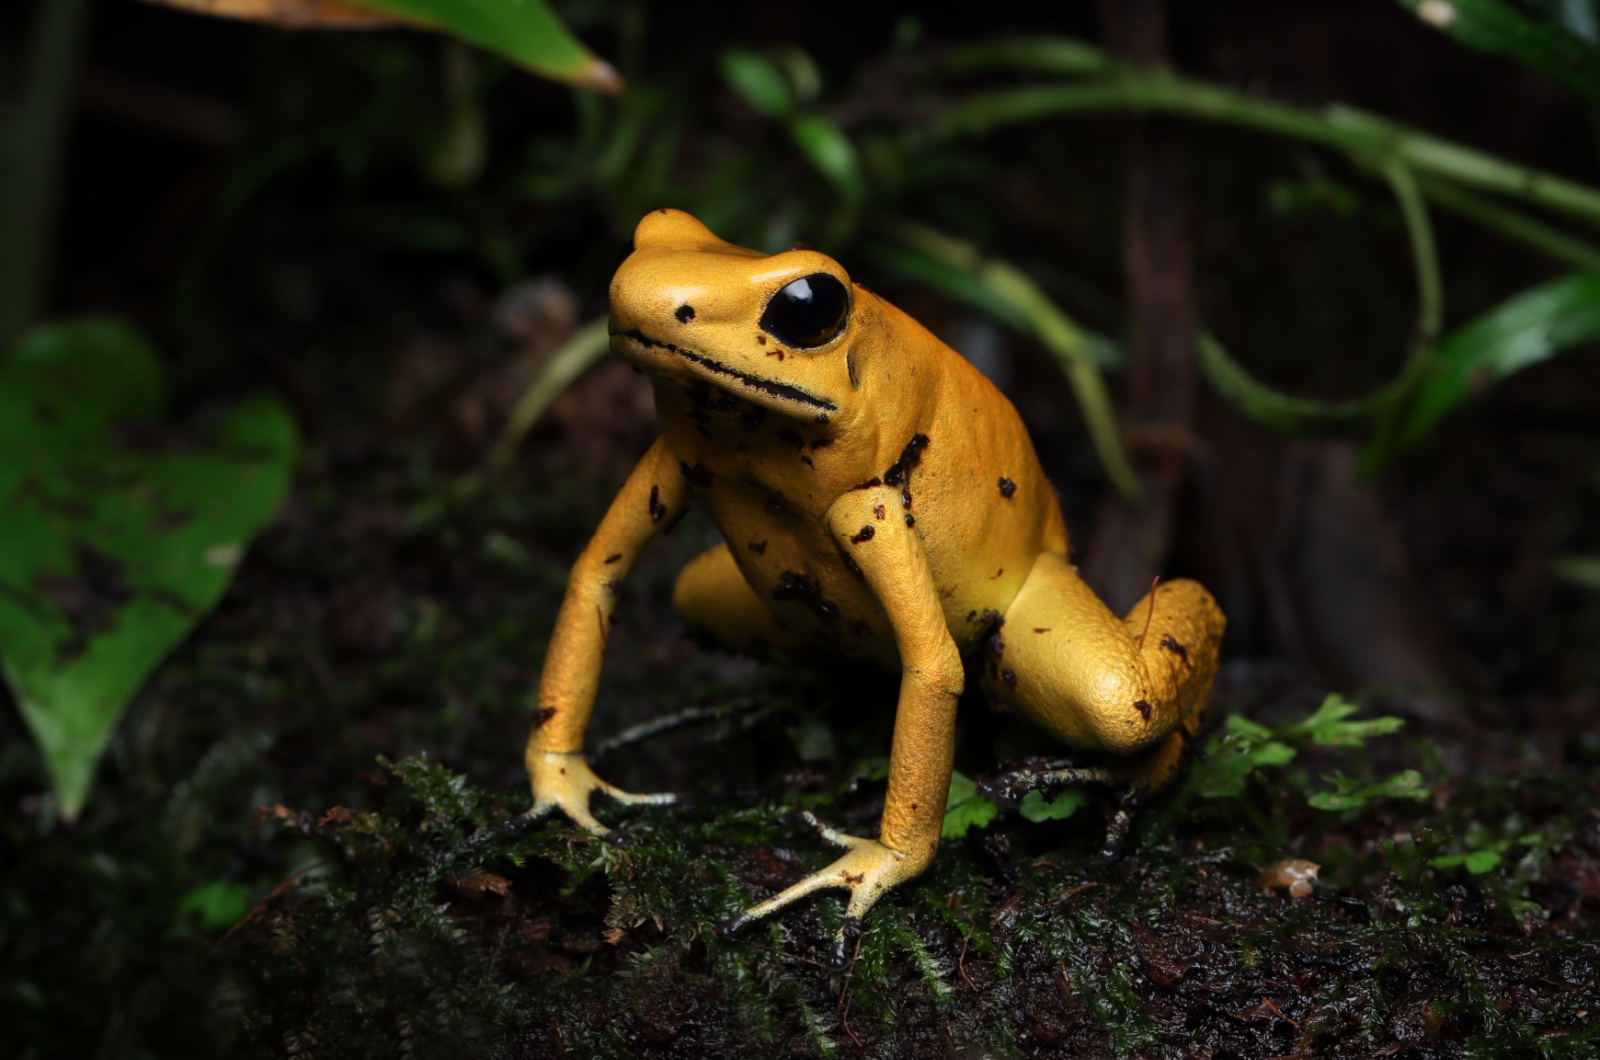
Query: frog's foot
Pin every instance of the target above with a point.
(867, 870)
(1007, 789)
(562, 780)
(1118, 797)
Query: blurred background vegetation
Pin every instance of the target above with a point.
(1299, 299)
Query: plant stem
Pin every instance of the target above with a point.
(1343, 128)
(1511, 224)
(30, 160)
(1430, 289)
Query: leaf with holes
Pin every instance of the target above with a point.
(120, 533)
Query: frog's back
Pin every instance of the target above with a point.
(969, 477)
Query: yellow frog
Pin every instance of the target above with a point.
(878, 498)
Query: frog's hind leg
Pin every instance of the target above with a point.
(713, 599)
(1134, 688)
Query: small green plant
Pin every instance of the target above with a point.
(1244, 747)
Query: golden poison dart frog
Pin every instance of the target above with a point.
(878, 498)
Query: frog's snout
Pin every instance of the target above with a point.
(664, 227)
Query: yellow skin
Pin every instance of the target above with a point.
(878, 499)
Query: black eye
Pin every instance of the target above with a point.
(808, 312)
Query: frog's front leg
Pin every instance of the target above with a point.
(654, 495)
(890, 557)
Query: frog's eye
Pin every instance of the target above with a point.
(808, 312)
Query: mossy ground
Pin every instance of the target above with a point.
(251, 879)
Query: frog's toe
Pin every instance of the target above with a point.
(831, 836)
(659, 798)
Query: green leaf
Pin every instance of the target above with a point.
(1327, 725)
(527, 32)
(964, 808)
(1523, 331)
(217, 905)
(1066, 802)
(830, 152)
(117, 538)
(1579, 570)
(758, 81)
(1350, 794)
(1499, 28)
(1243, 747)
(1476, 862)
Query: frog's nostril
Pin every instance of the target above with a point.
(685, 313)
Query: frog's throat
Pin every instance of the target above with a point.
(768, 386)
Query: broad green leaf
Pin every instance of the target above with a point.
(1525, 330)
(1579, 17)
(118, 535)
(830, 152)
(964, 808)
(527, 32)
(1499, 28)
(758, 81)
(1067, 801)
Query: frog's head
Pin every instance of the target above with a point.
(773, 329)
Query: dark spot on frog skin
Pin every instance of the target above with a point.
(613, 558)
(1143, 708)
(758, 547)
(878, 512)
(611, 586)
(803, 589)
(542, 715)
(899, 472)
(776, 505)
(1007, 488)
(911, 520)
(807, 461)
(997, 574)
(789, 437)
(1174, 647)
(850, 367)
(1041, 629)
(658, 510)
(775, 353)
(685, 313)
(698, 475)
(821, 443)
(761, 340)
(1009, 677)
(821, 417)
(871, 483)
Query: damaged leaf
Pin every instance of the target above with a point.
(119, 533)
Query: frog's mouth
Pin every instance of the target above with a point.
(785, 391)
